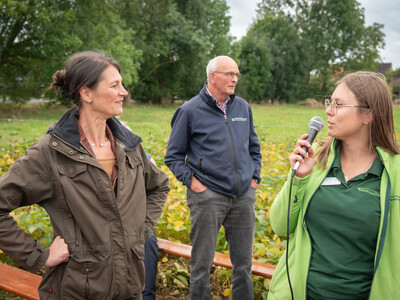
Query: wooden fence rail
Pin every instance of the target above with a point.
(25, 284)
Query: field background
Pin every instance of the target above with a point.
(278, 128)
(280, 121)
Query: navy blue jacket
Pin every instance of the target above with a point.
(221, 151)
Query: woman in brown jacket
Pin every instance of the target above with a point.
(93, 177)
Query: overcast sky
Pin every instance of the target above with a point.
(386, 12)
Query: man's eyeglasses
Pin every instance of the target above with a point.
(230, 74)
(334, 106)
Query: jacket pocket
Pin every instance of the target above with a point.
(71, 170)
(136, 268)
(139, 251)
(49, 287)
(201, 167)
(87, 279)
(134, 161)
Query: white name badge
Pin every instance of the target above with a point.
(331, 181)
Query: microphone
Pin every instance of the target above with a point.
(314, 126)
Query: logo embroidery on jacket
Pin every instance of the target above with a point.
(239, 119)
(375, 193)
(369, 191)
(395, 198)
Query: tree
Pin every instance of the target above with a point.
(177, 38)
(210, 16)
(393, 80)
(337, 33)
(170, 45)
(36, 37)
(290, 65)
(162, 46)
(211, 19)
(256, 63)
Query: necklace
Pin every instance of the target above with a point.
(101, 144)
(347, 178)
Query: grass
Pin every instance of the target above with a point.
(28, 122)
(7, 296)
(18, 124)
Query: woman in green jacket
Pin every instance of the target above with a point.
(345, 214)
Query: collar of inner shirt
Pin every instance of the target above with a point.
(221, 107)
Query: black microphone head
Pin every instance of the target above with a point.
(316, 123)
(314, 126)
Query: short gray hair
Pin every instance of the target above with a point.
(212, 67)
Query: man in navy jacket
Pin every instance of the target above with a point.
(214, 150)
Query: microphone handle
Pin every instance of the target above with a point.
(312, 133)
(296, 166)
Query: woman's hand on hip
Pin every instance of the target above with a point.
(59, 253)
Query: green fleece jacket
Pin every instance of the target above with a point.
(386, 276)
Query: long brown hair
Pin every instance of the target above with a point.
(371, 90)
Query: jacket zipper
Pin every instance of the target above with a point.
(234, 156)
(201, 166)
(119, 181)
(87, 283)
(379, 235)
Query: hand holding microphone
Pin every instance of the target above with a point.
(299, 160)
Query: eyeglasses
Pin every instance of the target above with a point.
(230, 74)
(334, 106)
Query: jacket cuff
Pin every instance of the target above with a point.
(297, 181)
(38, 257)
(147, 233)
(188, 182)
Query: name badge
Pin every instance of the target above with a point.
(331, 181)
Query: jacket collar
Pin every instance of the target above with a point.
(388, 160)
(209, 99)
(67, 129)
